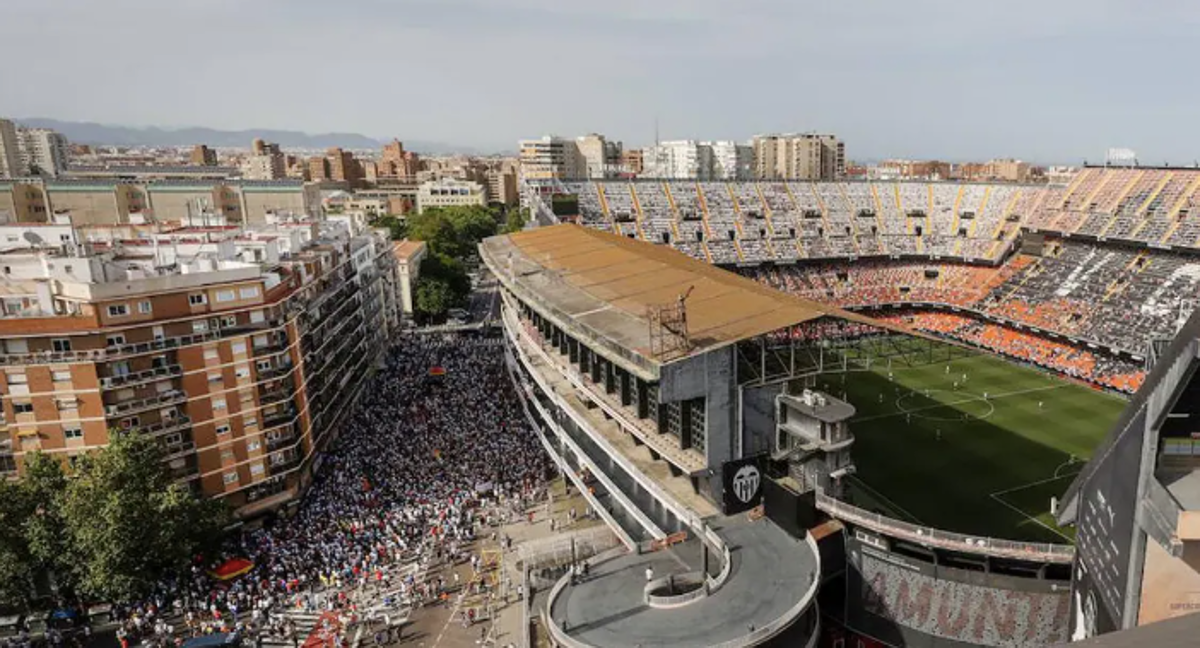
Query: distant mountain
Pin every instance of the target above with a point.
(93, 133)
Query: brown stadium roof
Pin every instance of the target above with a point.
(605, 282)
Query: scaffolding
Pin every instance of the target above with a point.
(669, 329)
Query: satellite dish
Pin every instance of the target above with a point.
(33, 239)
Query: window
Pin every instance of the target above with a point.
(70, 433)
(218, 404)
(114, 340)
(23, 408)
(214, 377)
(253, 445)
(197, 299)
(256, 469)
(249, 292)
(242, 371)
(239, 347)
(264, 365)
(130, 423)
(229, 321)
(118, 310)
(249, 422)
(199, 326)
(211, 353)
(227, 454)
(173, 439)
(230, 478)
(58, 376)
(145, 307)
(226, 295)
(17, 379)
(223, 428)
(61, 344)
(257, 316)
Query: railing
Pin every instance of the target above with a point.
(166, 371)
(166, 427)
(697, 580)
(929, 536)
(178, 450)
(760, 635)
(166, 398)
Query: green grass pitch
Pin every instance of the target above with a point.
(929, 452)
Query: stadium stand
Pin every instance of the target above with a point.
(938, 245)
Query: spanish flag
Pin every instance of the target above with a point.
(231, 569)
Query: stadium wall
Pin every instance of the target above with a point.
(904, 601)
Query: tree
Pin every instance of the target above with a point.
(453, 231)
(43, 488)
(515, 220)
(397, 227)
(16, 565)
(128, 523)
(434, 297)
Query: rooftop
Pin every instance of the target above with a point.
(407, 249)
(605, 284)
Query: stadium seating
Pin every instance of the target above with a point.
(864, 244)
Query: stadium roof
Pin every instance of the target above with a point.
(605, 283)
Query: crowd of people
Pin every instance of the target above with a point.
(436, 436)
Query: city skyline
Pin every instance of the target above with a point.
(1047, 82)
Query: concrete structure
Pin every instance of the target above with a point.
(633, 162)
(241, 369)
(803, 156)
(10, 151)
(680, 159)
(203, 156)
(627, 356)
(551, 157)
(43, 150)
(448, 192)
(409, 255)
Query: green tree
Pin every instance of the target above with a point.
(453, 231)
(396, 226)
(434, 297)
(43, 487)
(128, 523)
(16, 565)
(515, 220)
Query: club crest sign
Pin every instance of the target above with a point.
(743, 484)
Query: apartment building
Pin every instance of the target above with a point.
(238, 350)
(43, 151)
(601, 157)
(398, 163)
(10, 151)
(551, 157)
(730, 160)
(502, 185)
(203, 156)
(678, 159)
(266, 162)
(798, 156)
(101, 201)
(449, 192)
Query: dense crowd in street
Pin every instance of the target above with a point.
(437, 435)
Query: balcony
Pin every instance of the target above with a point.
(172, 397)
(281, 441)
(141, 377)
(279, 418)
(168, 426)
(178, 450)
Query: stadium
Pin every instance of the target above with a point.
(976, 347)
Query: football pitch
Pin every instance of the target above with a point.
(931, 449)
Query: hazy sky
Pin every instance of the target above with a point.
(1047, 80)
